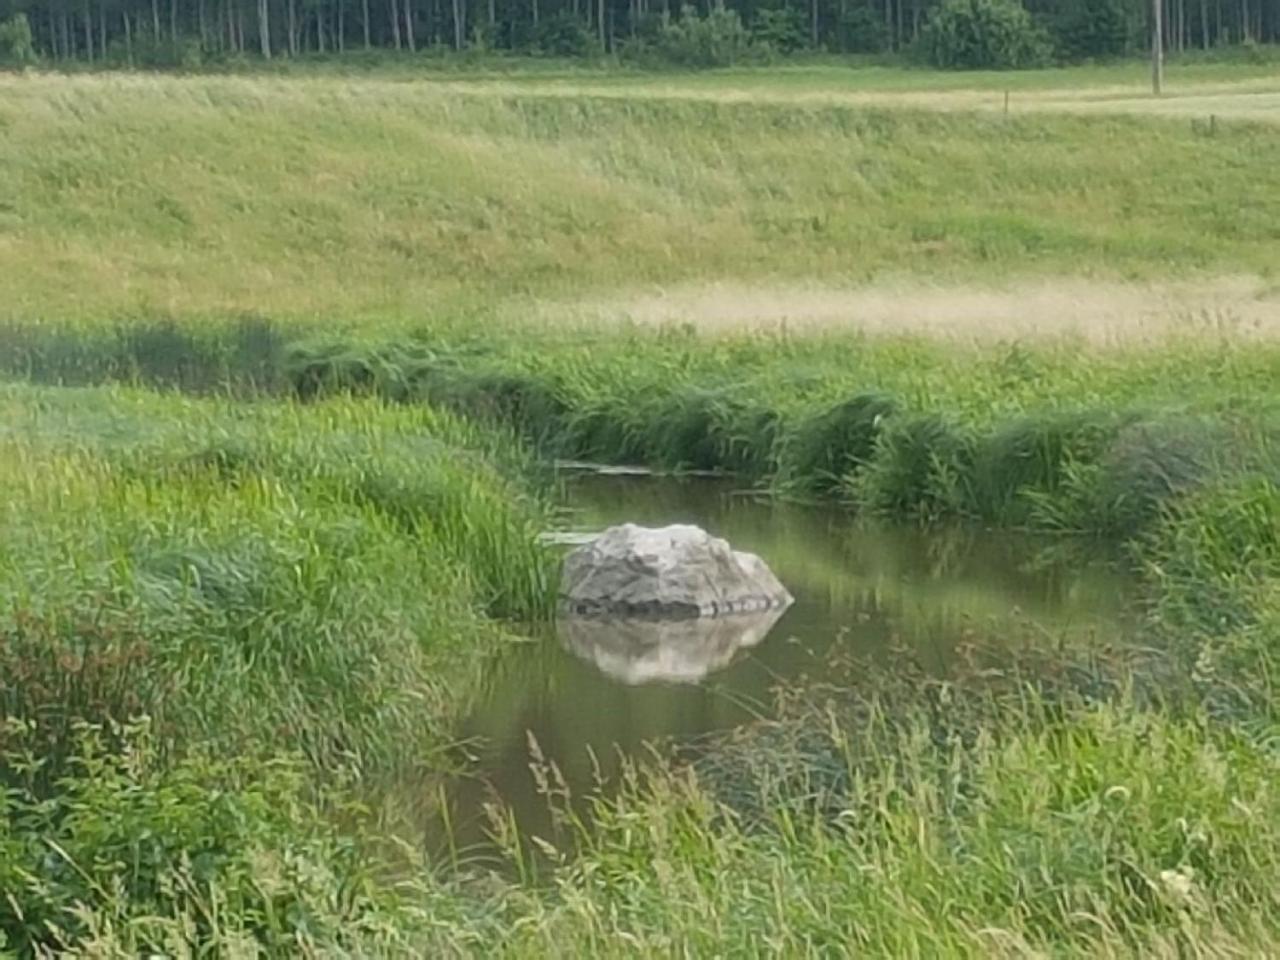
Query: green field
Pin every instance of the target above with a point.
(358, 202)
(287, 356)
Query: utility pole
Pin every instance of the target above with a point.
(1157, 46)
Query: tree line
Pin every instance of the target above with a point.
(184, 32)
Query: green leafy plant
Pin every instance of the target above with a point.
(781, 28)
(718, 39)
(16, 46)
(984, 35)
(1085, 29)
(565, 35)
(207, 851)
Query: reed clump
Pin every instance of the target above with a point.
(213, 565)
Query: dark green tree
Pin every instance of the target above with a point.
(984, 35)
(17, 48)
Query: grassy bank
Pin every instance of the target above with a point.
(896, 819)
(986, 814)
(208, 565)
(219, 620)
(899, 427)
(355, 202)
(1066, 437)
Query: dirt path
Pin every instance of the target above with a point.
(1096, 312)
(1252, 99)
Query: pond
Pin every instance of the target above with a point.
(590, 698)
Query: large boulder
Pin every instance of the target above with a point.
(676, 572)
(643, 650)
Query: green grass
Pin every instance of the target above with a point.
(356, 295)
(1058, 435)
(248, 573)
(1064, 830)
(1061, 436)
(340, 201)
(991, 813)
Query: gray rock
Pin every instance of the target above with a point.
(670, 572)
(637, 651)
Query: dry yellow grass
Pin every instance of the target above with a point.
(1097, 312)
(1256, 99)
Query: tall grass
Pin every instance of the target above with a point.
(1106, 835)
(314, 574)
(1059, 827)
(248, 575)
(1053, 436)
(132, 857)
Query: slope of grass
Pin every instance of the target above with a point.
(350, 201)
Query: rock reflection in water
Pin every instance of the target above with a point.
(605, 692)
(639, 651)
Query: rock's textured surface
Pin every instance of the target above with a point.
(676, 572)
(636, 651)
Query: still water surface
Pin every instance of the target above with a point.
(590, 696)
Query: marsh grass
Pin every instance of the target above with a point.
(1045, 800)
(132, 856)
(1057, 437)
(208, 564)
(979, 816)
(828, 448)
(1069, 836)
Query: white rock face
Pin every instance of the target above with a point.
(676, 572)
(637, 651)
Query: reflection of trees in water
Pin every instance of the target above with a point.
(824, 550)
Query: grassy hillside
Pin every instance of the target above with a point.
(342, 200)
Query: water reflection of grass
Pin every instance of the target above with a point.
(960, 572)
